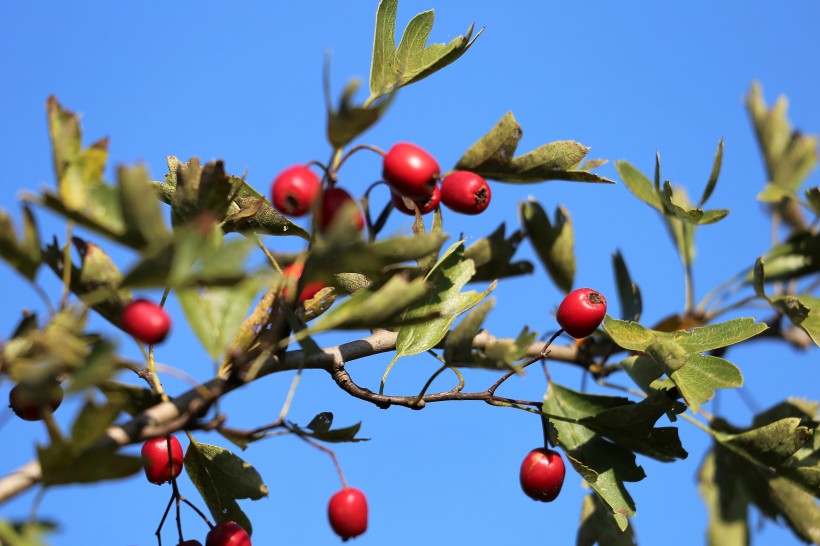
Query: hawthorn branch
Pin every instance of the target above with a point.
(184, 411)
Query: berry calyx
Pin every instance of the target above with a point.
(465, 192)
(347, 512)
(29, 401)
(426, 205)
(542, 474)
(410, 171)
(160, 462)
(294, 271)
(581, 312)
(227, 533)
(294, 190)
(334, 200)
(146, 321)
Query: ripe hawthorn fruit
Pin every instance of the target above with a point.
(227, 533)
(29, 401)
(410, 171)
(426, 205)
(333, 200)
(294, 190)
(542, 474)
(347, 512)
(146, 321)
(465, 192)
(160, 465)
(294, 271)
(581, 312)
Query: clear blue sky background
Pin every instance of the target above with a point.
(242, 81)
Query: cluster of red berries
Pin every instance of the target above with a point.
(412, 174)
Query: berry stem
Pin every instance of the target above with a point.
(158, 532)
(359, 148)
(329, 452)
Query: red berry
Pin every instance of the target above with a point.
(347, 512)
(29, 401)
(581, 312)
(542, 474)
(333, 199)
(410, 171)
(227, 533)
(146, 321)
(425, 205)
(465, 192)
(294, 190)
(159, 464)
(294, 271)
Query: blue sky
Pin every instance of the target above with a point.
(242, 82)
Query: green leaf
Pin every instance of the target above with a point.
(723, 492)
(492, 156)
(689, 215)
(640, 186)
(221, 477)
(143, 220)
(713, 176)
(802, 311)
(554, 243)
(598, 526)
(91, 423)
(770, 445)
(698, 380)
(629, 295)
(349, 121)
(375, 306)
(796, 257)
(23, 255)
(603, 465)
(215, 313)
(131, 399)
(200, 190)
(444, 298)
(492, 256)
(319, 429)
(393, 68)
(813, 199)
(458, 346)
(63, 463)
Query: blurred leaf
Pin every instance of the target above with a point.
(23, 255)
(131, 399)
(444, 298)
(393, 68)
(492, 256)
(723, 492)
(788, 154)
(64, 463)
(100, 364)
(802, 311)
(91, 423)
(554, 243)
(713, 176)
(603, 465)
(640, 186)
(598, 526)
(798, 256)
(221, 477)
(349, 121)
(629, 295)
(677, 353)
(492, 156)
(28, 533)
(375, 307)
(143, 220)
(216, 313)
(689, 215)
(813, 199)
(199, 190)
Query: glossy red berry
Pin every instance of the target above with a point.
(146, 321)
(465, 192)
(425, 205)
(542, 474)
(227, 533)
(29, 402)
(581, 312)
(159, 464)
(294, 190)
(347, 512)
(294, 271)
(410, 171)
(333, 200)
